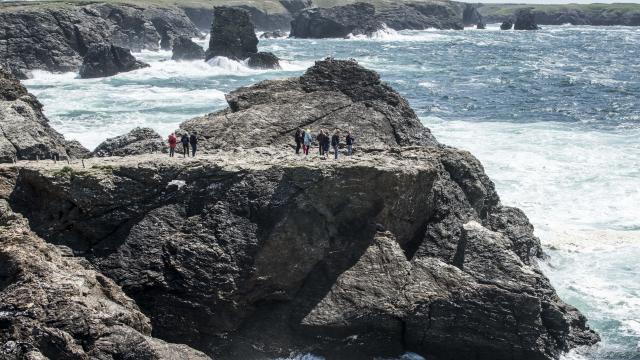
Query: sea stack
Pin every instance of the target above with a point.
(507, 25)
(104, 60)
(233, 36)
(525, 20)
(185, 49)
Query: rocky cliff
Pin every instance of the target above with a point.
(575, 14)
(251, 251)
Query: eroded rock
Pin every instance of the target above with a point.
(525, 20)
(185, 49)
(336, 22)
(232, 34)
(136, 142)
(104, 60)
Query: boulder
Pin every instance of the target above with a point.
(470, 15)
(137, 141)
(337, 94)
(273, 34)
(232, 34)
(263, 60)
(104, 60)
(25, 133)
(185, 49)
(507, 25)
(525, 20)
(336, 22)
(481, 26)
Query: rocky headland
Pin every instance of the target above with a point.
(575, 14)
(249, 251)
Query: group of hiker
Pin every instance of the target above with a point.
(304, 139)
(186, 141)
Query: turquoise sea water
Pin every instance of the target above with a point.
(553, 115)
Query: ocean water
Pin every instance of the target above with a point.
(553, 115)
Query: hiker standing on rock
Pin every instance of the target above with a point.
(172, 144)
(306, 141)
(185, 145)
(193, 140)
(326, 142)
(349, 140)
(320, 139)
(335, 143)
(299, 139)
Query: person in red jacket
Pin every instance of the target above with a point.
(172, 144)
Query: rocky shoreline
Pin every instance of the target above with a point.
(250, 251)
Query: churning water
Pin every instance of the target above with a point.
(554, 115)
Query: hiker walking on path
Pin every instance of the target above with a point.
(185, 145)
(349, 140)
(306, 141)
(172, 144)
(299, 140)
(193, 140)
(335, 143)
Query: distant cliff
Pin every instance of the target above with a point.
(575, 14)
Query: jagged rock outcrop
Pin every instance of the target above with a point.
(273, 34)
(295, 6)
(575, 14)
(104, 60)
(470, 15)
(136, 142)
(481, 26)
(507, 25)
(185, 49)
(336, 22)
(525, 20)
(233, 36)
(55, 306)
(25, 133)
(55, 37)
(248, 251)
(337, 95)
(422, 15)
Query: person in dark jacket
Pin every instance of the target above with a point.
(299, 138)
(335, 144)
(185, 145)
(193, 140)
(320, 139)
(326, 142)
(350, 140)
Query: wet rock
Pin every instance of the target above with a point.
(336, 22)
(481, 26)
(470, 15)
(137, 141)
(232, 34)
(55, 37)
(273, 34)
(263, 60)
(419, 16)
(525, 20)
(507, 25)
(104, 60)
(185, 49)
(25, 133)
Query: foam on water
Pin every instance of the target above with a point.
(553, 115)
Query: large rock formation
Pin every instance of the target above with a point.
(55, 37)
(249, 251)
(104, 60)
(575, 14)
(136, 142)
(507, 25)
(525, 20)
(471, 16)
(336, 22)
(25, 133)
(233, 36)
(185, 49)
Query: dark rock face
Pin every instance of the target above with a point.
(336, 22)
(471, 16)
(107, 60)
(44, 292)
(295, 6)
(138, 141)
(525, 20)
(57, 36)
(337, 95)
(185, 49)
(273, 34)
(418, 16)
(605, 15)
(507, 25)
(263, 60)
(25, 133)
(481, 26)
(248, 252)
(232, 34)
